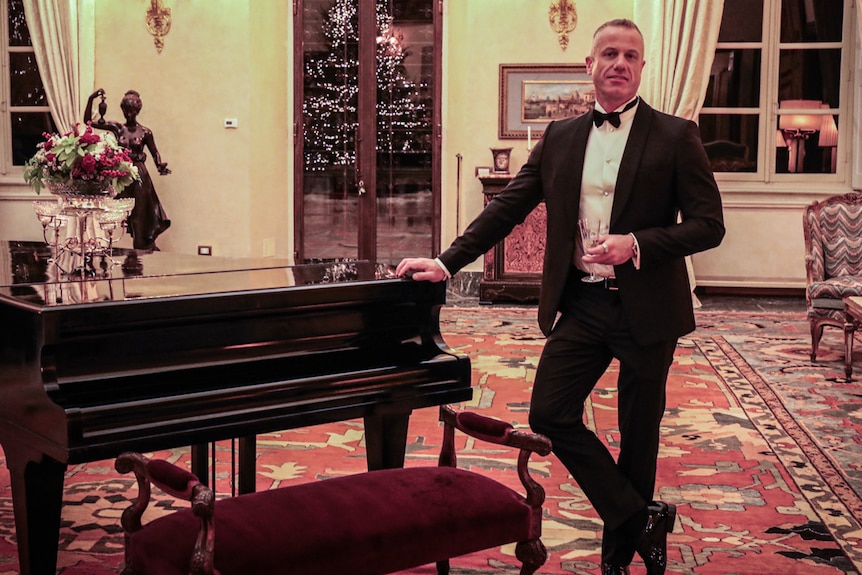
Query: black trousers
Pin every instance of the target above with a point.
(591, 331)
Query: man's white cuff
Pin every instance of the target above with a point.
(443, 267)
(636, 252)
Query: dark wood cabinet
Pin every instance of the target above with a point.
(513, 268)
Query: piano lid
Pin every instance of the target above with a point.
(29, 276)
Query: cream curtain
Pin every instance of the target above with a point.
(53, 26)
(680, 38)
(859, 19)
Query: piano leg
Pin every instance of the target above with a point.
(386, 440)
(37, 500)
(201, 463)
(247, 464)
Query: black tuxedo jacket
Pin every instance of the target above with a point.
(665, 193)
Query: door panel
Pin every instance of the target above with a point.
(368, 142)
(329, 200)
(405, 88)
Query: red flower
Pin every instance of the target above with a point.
(88, 164)
(90, 138)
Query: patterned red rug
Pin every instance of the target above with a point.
(761, 454)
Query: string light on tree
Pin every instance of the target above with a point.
(331, 102)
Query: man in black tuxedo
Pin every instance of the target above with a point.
(646, 175)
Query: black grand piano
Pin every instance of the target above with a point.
(157, 350)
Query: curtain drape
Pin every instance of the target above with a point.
(680, 37)
(53, 26)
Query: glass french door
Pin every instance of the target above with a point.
(367, 178)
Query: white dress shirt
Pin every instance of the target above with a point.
(601, 165)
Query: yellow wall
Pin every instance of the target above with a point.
(232, 188)
(229, 188)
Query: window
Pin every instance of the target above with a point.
(24, 111)
(773, 106)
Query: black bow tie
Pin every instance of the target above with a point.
(613, 118)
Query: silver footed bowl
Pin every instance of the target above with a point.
(80, 188)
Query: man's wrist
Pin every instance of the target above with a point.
(443, 267)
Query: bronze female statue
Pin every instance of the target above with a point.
(148, 219)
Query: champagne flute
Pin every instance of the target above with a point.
(589, 228)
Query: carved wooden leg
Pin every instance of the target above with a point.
(37, 499)
(386, 440)
(532, 555)
(443, 567)
(816, 334)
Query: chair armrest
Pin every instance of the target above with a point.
(126, 462)
(171, 479)
(497, 432)
(177, 482)
(813, 272)
(494, 430)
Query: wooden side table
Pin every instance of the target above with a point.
(513, 268)
(852, 321)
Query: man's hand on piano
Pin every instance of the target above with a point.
(422, 269)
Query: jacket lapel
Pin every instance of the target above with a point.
(570, 176)
(631, 159)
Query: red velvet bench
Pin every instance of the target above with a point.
(365, 524)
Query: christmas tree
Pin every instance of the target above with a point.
(331, 93)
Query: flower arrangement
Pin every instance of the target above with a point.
(85, 161)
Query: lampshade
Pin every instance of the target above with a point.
(828, 131)
(800, 122)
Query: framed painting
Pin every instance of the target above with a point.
(532, 95)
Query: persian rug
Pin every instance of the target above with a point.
(760, 453)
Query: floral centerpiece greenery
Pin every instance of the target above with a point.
(83, 161)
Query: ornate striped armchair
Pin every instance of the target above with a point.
(833, 261)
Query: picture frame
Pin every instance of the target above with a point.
(532, 95)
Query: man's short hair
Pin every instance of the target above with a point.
(619, 22)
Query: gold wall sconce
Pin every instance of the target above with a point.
(158, 23)
(563, 18)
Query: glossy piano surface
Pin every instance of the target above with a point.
(165, 349)
(27, 277)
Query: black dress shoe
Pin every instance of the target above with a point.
(608, 569)
(652, 545)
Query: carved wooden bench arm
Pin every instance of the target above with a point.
(181, 484)
(497, 432)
